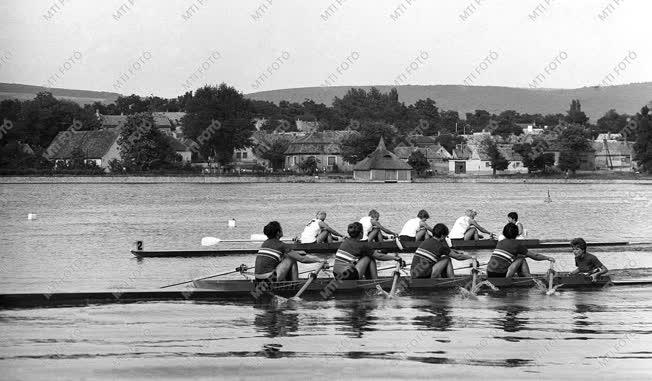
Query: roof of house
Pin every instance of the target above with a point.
(432, 152)
(113, 120)
(462, 153)
(381, 158)
(176, 144)
(616, 148)
(422, 141)
(318, 143)
(94, 144)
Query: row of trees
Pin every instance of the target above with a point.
(220, 119)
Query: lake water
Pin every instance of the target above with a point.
(81, 237)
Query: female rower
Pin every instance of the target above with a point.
(513, 218)
(372, 230)
(355, 258)
(415, 229)
(318, 231)
(433, 257)
(509, 256)
(276, 261)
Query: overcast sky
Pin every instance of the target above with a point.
(300, 44)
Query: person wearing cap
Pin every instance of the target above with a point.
(467, 228)
(587, 263)
(318, 231)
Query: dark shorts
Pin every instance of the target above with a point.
(350, 273)
(491, 274)
(407, 238)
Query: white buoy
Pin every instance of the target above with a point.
(31, 216)
(231, 223)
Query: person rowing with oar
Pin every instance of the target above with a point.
(276, 261)
(467, 228)
(509, 256)
(415, 229)
(587, 263)
(318, 231)
(433, 257)
(356, 258)
(372, 230)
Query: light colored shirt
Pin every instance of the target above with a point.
(411, 227)
(310, 232)
(366, 227)
(460, 227)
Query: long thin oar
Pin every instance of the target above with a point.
(210, 241)
(311, 277)
(238, 269)
(397, 274)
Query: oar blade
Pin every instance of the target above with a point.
(210, 241)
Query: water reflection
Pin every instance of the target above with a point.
(581, 321)
(438, 316)
(511, 322)
(274, 322)
(356, 317)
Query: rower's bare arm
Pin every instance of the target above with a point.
(574, 272)
(539, 257)
(384, 229)
(385, 257)
(329, 229)
(520, 228)
(477, 225)
(459, 255)
(301, 256)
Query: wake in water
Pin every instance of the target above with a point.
(472, 292)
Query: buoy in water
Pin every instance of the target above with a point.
(31, 216)
(548, 199)
(231, 223)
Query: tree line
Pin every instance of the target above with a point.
(371, 114)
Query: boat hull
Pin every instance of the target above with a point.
(327, 287)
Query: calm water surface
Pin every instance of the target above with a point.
(82, 236)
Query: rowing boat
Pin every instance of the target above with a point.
(388, 246)
(239, 290)
(242, 287)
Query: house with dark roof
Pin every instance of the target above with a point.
(382, 166)
(436, 155)
(97, 146)
(324, 146)
(613, 155)
(470, 158)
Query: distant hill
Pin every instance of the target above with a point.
(595, 100)
(25, 92)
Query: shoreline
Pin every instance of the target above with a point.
(291, 179)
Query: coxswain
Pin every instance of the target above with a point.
(508, 258)
(318, 231)
(415, 229)
(372, 230)
(276, 261)
(587, 263)
(467, 228)
(432, 259)
(356, 258)
(513, 218)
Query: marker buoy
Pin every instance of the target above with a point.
(31, 216)
(231, 223)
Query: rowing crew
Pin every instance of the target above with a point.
(415, 229)
(356, 259)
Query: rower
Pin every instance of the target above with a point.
(509, 256)
(318, 231)
(467, 228)
(355, 258)
(415, 229)
(372, 230)
(276, 261)
(587, 263)
(513, 218)
(433, 257)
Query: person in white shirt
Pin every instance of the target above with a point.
(372, 230)
(318, 231)
(467, 228)
(415, 229)
(512, 217)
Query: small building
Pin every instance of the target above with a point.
(97, 146)
(180, 149)
(613, 155)
(470, 159)
(436, 155)
(324, 146)
(382, 166)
